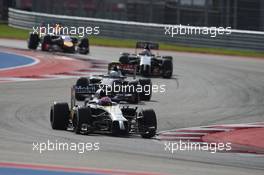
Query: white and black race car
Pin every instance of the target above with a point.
(145, 63)
(103, 116)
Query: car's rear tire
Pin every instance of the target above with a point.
(147, 123)
(124, 59)
(146, 84)
(82, 116)
(82, 82)
(33, 41)
(167, 68)
(59, 116)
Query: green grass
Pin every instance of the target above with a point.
(14, 33)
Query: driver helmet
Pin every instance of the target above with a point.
(146, 50)
(100, 93)
(147, 47)
(115, 68)
(114, 73)
(105, 101)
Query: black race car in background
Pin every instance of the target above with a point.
(59, 43)
(115, 86)
(145, 63)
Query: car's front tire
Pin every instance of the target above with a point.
(59, 116)
(167, 68)
(33, 41)
(82, 117)
(147, 123)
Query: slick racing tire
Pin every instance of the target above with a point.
(82, 117)
(124, 59)
(59, 116)
(84, 46)
(146, 93)
(167, 68)
(147, 123)
(46, 41)
(33, 41)
(82, 83)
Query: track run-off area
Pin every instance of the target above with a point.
(206, 90)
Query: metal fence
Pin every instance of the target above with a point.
(238, 39)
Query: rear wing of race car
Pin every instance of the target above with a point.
(82, 92)
(146, 44)
(150, 45)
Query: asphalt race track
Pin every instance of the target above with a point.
(204, 90)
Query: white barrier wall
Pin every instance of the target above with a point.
(233, 39)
